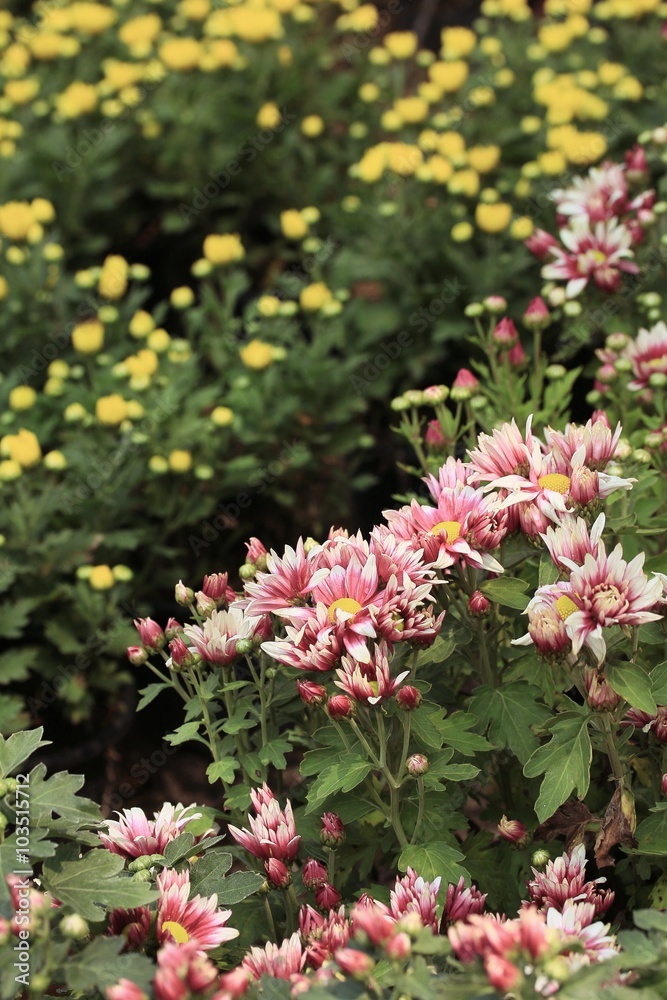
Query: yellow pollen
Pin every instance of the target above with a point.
(565, 607)
(347, 604)
(451, 528)
(177, 931)
(555, 481)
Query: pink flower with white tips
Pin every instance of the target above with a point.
(648, 354)
(347, 593)
(371, 682)
(463, 528)
(599, 196)
(571, 542)
(314, 644)
(272, 831)
(577, 920)
(125, 989)
(413, 894)
(279, 962)
(216, 640)
(183, 971)
(595, 437)
(134, 925)
(287, 583)
(396, 558)
(453, 473)
(195, 921)
(134, 835)
(323, 935)
(546, 622)
(601, 253)
(504, 452)
(461, 903)
(564, 879)
(541, 243)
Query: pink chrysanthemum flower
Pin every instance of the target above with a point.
(600, 252)
(453, 473)
(648, 354)
(461, 903)
(596, 438)
(183, 971)
(564, 879)
(287, 583)
(340, 549)
(577, 920)
(655, 724)
(323, 935)
(133, 835)
(279, 962)
(348, 592)
(134, 925)
(396, 558)
(369, 682)
(197, 921)
(272, 831)
(504, 452)
(374, 919)
(313, 644)
(571, 542)
(217, 638)
(546, 623)
(413, 894)
(463, 528)
(599, 196)
(125, 989)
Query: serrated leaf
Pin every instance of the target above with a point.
(508, 591)
(455, 733)
(207, 873)
(14, 616)
(18, 747)
(659, 683)
(425, 724)
(633, 684)
(239, 886)
(222, 770)
(651, 833)
(100, 965)
(565, 762)
(433, 860)
(341, 777)
(180, 847)
(188, 731)
(548, 573)
(274, 753)
(508, 712)
(442, 648)
(57, 794)
(15, 664)
(93, 882)
(149, 693)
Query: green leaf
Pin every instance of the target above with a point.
(443, 647)
(425, 724)
(94, 881)
(207, 873)
(14, 616)
(18, 747)
(239, 886)
(62, 637)
(509, 712)
(222, 770)
(565, 762)
(180, 847)
(100, 965)
(274, 753)
(506, 591)
(341, 777)
(149, 693)
(15, 664)
(455, 733)
(57, 794)
(548, 570)
(432, 860)
(651, 833)
(650, 920)
(633, 684)
(659, 683)
(188, 731)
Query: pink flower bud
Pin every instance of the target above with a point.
(606, 374)
(172, 628)
(664, 784)
(137, 655)
(311, 693)
(256, 551)
(540, 243)
(416, 765)
(408, 697)
(205, 605)
(339, 706)
(215, 586)
(537, 315)
(150, 633)
(501, 973)
(183, 595)
(517, 357)
(584, 485)
(327, 897)
(478, 604)
(332, 832)
(278, 873)
(180, 654)
(514, 832)
(236, 982)
(505, 333)
(495, 304)
(434, 439)
(399, 947)
(600, 416)
(354, 963)
(435, 394)
(636, 163)
(375, 920)
(314, 873)
(600, 695)
(465, 385)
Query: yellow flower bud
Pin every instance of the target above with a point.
(256, 355)
(23, 397)
(180, 460)
(88, 337)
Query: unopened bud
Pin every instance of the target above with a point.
(244, 646)
(205, 605)
(137, 655)
(505, 333)
(278, 873)
(540, 858)
(332, 833)
(183, 595)
(310, 692)
(150, 633)
(354, 963)
(398, 947)
(408, 698)
(664, 784)
(247, 571)
(465, 385)
(555, 372)
(310, 544)
(416, 765)
(434, 394)
(339, 706)
(513, 831)
(495, 304)
(74, 926)
(601, 697)
(478, 604)
(537, 315)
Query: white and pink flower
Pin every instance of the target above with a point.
(599, 252)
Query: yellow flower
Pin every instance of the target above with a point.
(182, 298)
(142, 30)
(88, 337)
(180, 460)
(46, 46)
(449, 76)
(441, 169)
(58, 369)
(391, 121)
(363, 19)
(451, 144)
(101, 577)
(493, 218)
(522, 228)
(9, 470)
(555, 37)
(491, 46)
(113, 278)
(4, 288)
(158, 464)
(465, 182)
(222, 416)
(74, 412)
(194, 10)
(269, 116)
(21, 91)
(159, 341)
(457, 42)
(78, 99)
(23, 397)
(143, 363)
(268, 305)
(16, 220)
(255, 24)
(90, 18)
(401, 44)
(42, 210)
(55, 460)
(256, 354)
(312, 126)
(225, 248)
(552, 163)
(111, 410)
(369, 92)
(484, 159)
(22, 447)
(314, 296)
(411, 109)
(628, 89)
(181, 54)
(141, 324)
(372, 165)
(403, 158)
(610, 73)
(461, 232)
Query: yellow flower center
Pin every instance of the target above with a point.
(177, 931)
(555, 481)
(347, 604)
(451, 528)
(565, 607)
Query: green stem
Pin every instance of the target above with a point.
(331, 866)
(269, 919)
(366, 745)
(615, 761)
(291, 909)
(395, 815)
(407, 724)
(420, 810)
